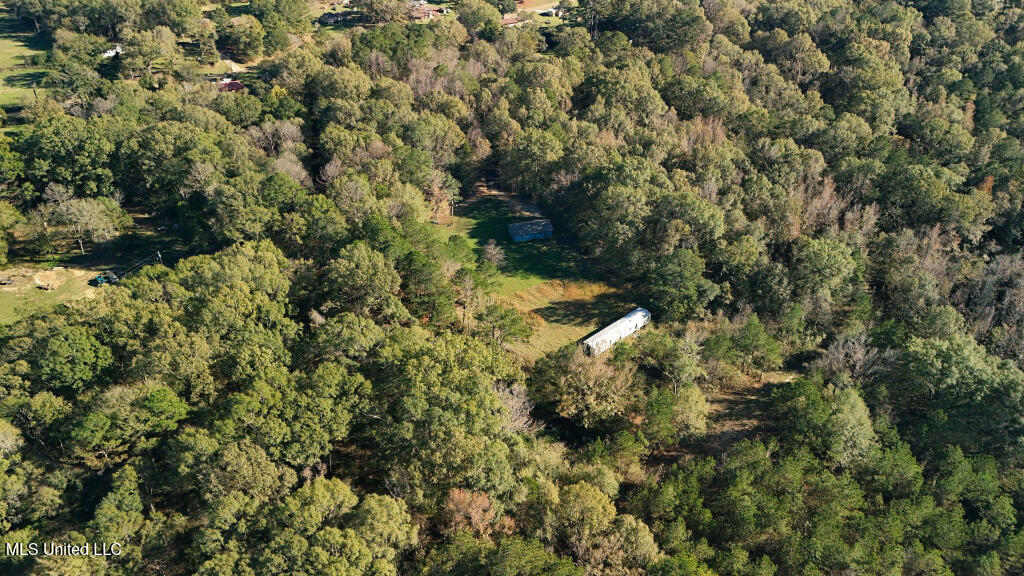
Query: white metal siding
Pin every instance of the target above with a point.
(621, 328)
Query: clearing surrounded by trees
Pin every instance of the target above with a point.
(340, 370)
(546, 280)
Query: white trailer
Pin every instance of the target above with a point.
(609, 335)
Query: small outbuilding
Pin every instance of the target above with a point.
(618, 330)
(531, 230)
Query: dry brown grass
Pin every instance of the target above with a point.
(565, 311)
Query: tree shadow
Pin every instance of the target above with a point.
(235, 10)
(25, 79)
(604, 308)
(21, 32)
(347, 19)
(148, 235)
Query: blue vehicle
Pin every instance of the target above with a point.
(111, 277)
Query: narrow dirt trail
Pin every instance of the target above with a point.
(737, 413)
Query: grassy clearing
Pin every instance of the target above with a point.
(564, 311)
(548, 281)
(19, 47)
(527, 264)
(19, 87)
(28, 294)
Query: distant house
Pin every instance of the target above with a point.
(530, 230)
(115, 51)
(330, 18)
(512, 20)
(229, 85)
(621, 328)
(424, 12)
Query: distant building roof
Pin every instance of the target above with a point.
(425, 12)
(609, 335)
(229, 85)
(511, 20)
(116, 50)
(530, 230)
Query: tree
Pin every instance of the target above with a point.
(97, 220)
(9, 218)
(384, 11)
(585, 525)
(821, 265)
(951, 385)
(118, 517)
(205, 33)
(482, 20)
(757, 348)
(677, 287)
(852, 429)
(151, 51)
(505, 6)
(438, 135)
(672, 415)
(294, 14)
(244, 36)
(363, 281)
(502, 324)
(125, 419)
(677, 359)
(590, 391)
(178, 15)
(70, 151)
(493, 253)
(240, 108)
(424, 288)
(69, 358)
(582, 516)
(441, 422)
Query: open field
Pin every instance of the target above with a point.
(527, 264)
(19, 74)
(29, 292)
(537, 5)
(70, 278)
(546, 280)
(564, 311)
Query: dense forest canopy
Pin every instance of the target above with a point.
(326, 385)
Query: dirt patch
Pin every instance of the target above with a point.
(50, 279)
(16, 278)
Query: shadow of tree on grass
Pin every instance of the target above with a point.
(25, 79)
(602, 309)
(547, 259)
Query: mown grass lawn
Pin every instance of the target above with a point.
(526, 263)
(27, 294)
(548, 281)
(19, 73)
